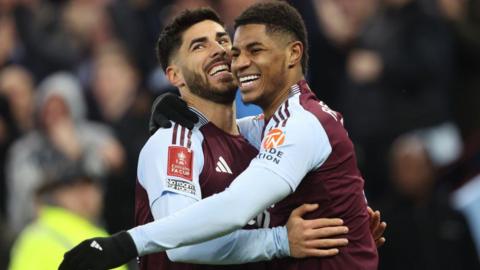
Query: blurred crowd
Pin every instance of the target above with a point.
(77, 78)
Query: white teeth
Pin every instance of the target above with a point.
(249, 78)
(217, 69)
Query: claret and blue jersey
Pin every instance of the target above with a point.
(304, 144)
(177, 167)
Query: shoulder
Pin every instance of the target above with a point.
(294, 116)
(293, 124)
(175, 136)
(308, 110)
(26, 146)
(176, 151)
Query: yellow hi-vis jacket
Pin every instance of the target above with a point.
(42, 244)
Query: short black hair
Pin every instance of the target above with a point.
(277, 16)
(171, 37)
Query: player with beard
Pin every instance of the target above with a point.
(178, 167)
(305, 155)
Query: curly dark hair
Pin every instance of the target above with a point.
(171, 36)
(280, 17)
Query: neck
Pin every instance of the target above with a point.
(270, 108)
(221, 115)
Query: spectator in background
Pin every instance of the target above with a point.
(16, 118)
(333, 27)
(398, 78)
(16, 83)
(8, 46)
(69, 205)
(464, 175)
(420, 210)
(63, 140)
(118, 101)
(463, 179)
(8, 132)
(60, 35)
(463, 18)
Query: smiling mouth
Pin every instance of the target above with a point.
(248, 79)
(218, 69)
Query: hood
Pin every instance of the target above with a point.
(67, 87)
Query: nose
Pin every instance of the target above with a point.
(218, 50)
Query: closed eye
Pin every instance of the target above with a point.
(255, 50)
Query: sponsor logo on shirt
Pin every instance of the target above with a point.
(180, 162)
(272, 155)
(222, 166)
(180, 185)
(274, 138)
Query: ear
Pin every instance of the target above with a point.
(174, 76)
(295, 53)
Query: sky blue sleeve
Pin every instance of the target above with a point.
(253, 191)
(251, 128)
(294, 149)
(241, 246)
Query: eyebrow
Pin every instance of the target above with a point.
(203, 39)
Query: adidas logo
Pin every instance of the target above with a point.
(222, 166)
(96, 245)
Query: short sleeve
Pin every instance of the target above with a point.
(171, 161)
(294, 149)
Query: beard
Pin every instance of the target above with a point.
(202, 88)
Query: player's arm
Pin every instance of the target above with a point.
(260, 186)
(241, 246)
(303, 238)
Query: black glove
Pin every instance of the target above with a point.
(168, 107)
(100, 253)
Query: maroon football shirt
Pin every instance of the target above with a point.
(336, 185)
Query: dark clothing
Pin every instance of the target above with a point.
(428, 237)
(48, 45)
(465, 94)
(411, 91)
(326, 69)
(119, 200)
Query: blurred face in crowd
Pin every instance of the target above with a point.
(54, 111)
(83, 198)
(115, 83)
(17, 85)
(202, 63)
(260, 62)
(412, 171)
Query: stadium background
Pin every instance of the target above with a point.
(404, 73)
